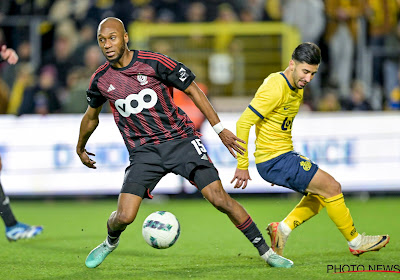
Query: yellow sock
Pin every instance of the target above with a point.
(340, 215)
(309, 206)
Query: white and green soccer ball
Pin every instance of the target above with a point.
(161, 229)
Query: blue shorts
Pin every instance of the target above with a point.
(290, 170)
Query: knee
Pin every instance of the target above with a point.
(125, 218)
(334, 188)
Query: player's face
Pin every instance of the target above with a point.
(303, 73)
(112, 43)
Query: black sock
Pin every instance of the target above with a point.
(113, 235)
(253, 234)
(5, 210)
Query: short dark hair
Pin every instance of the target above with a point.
(308, 53)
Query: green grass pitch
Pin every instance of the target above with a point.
(209, 247)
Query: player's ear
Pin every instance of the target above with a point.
(292, 65)
(126, 37)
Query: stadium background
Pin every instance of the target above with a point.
(353, 133)
(350, 129)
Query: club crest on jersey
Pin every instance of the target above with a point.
(142, 79)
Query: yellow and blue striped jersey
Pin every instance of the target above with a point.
(272, 110)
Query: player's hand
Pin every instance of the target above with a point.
(231, 142)
(241, 176)
(8, 55)
(86, 160)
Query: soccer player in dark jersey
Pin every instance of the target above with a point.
(159, 136)
(14, 230)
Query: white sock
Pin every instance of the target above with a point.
(355, 242)
(267, 254)
(284, 228)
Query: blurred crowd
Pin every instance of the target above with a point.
(69, 53)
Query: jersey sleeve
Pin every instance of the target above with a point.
(267, 98)
(93, 96)
(175, 73)
(243, 126)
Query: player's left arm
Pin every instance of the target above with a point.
(201, 101)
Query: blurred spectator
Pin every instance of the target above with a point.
(65, 9)
(165, 16)
(391, 63)
(253, 10)
(357, 100)
(145, 14)
(168, 10)
(87, 37)
(329, 101)
(196, 12)
(24, 78)
(100, 9)
(61, 57)
(340, 36)
(273, 10)
(9, 72)
(226, 15)
(298, 14)
(4, 94)
(42, 97)
(77, 83)
(382, 20)
(92, 59)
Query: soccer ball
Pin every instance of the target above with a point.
(161, 229)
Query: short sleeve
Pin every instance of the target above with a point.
(174, 73)
(95, 99)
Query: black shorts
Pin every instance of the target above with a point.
(186, 157)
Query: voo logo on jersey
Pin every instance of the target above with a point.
(135, 103)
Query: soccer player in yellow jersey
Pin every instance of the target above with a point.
(273, 110)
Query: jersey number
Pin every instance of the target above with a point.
(125, 108)
(198, 146)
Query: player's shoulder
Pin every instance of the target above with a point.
(99, 72)
(102, 68)
(150, 57)
(274, 78)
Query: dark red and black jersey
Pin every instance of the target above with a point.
(140, 96)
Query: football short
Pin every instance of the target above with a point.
(290, 170)
(149, 163)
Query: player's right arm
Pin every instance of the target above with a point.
(243, 126)
(266, 99)
(89, 123)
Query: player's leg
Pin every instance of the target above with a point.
(326, 186)
(295, 172)
(309, 206)
(128, 206)
(216, 195)
(14, 229)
